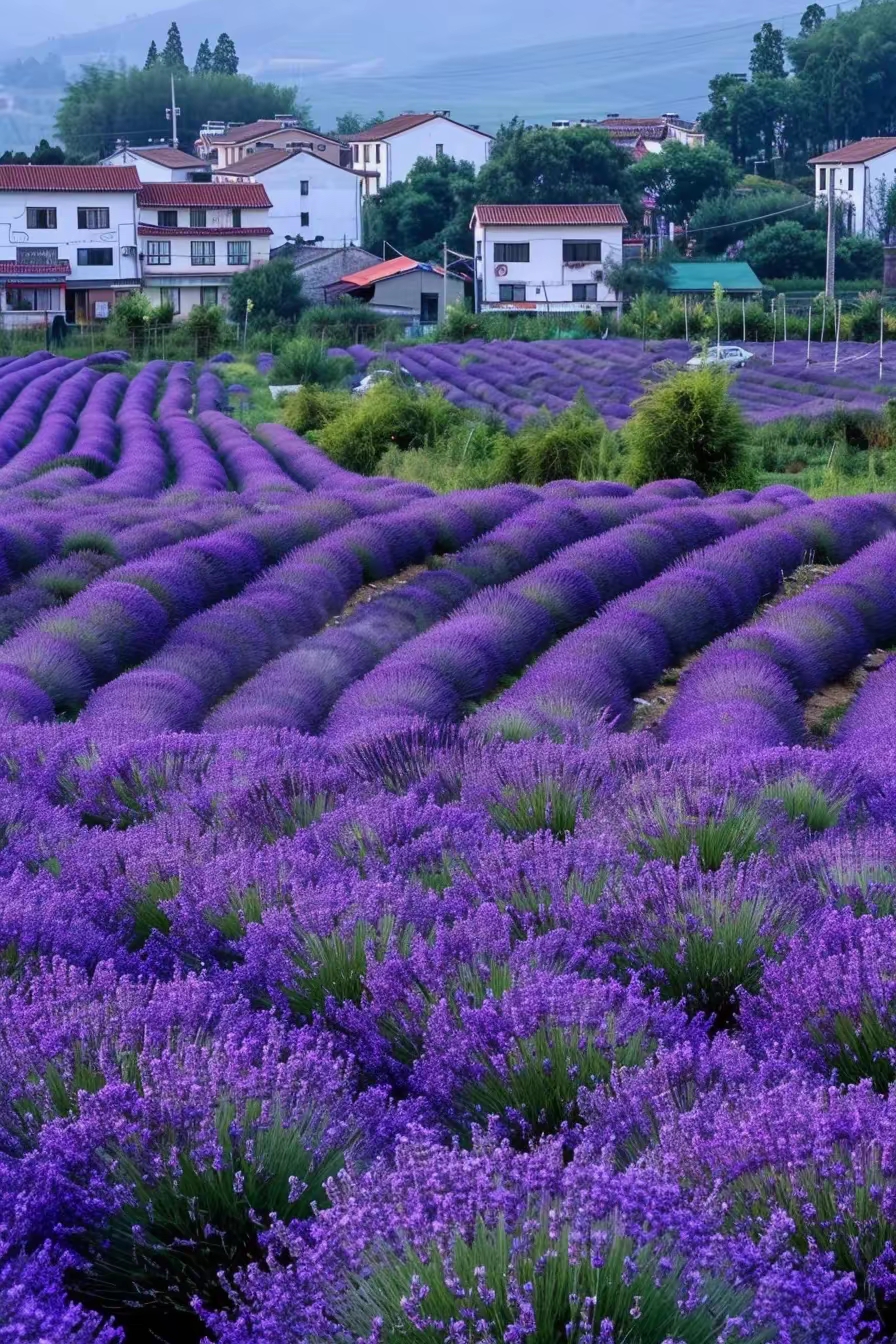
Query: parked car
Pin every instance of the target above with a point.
(728, 356)
(379, 376)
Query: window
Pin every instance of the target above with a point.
(94, 256)
(378, 153)
(851, 182)
(167, 219)
(440, 150)
(584, 293)
(237, 220)
(366, 153)
(202, 254)
(512, 293)
(238, 253)
(197, 219)
(37, 256)
(429, 309)
(93, 218)
(208, 296)
(171, 297)
(40, 217)
(357, 153)
(822, 179)
(511, 251)
(158, 253)
(588, 250)
(29, 300)
(303, 188)
(305, 220)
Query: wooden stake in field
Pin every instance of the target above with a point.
(784, 302)
(837, 334)
(743, 305)
(774, 329)
(880, 377)
(809, 338)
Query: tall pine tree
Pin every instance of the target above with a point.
(173, 50)
(225, 60)
(152, 56)
(203, 58)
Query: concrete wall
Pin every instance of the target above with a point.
(67, 237)
(326, 268)
(865, 180)
(405, 292)
(547, 279)
(399, 153)
(333, 202)
(147, 170)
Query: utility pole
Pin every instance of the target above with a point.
(444, 281)
(171, 114)
(830, 266)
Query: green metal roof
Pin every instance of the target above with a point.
(698, 277)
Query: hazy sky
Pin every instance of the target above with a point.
(24, 23)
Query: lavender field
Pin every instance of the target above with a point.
(371, 970)
(517, 378)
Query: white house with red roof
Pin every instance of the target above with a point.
(195, 237)
(390, 149)
(68, 241)
(221, 146)
(312, 198)
(159, 163)
(861, 173)
(547, 258)
(652, 132)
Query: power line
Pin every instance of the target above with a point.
(754, 219)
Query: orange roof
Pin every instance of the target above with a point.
(384, 270)
(859, 151)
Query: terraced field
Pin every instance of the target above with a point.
(372, 968)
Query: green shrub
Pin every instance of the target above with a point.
(389, 415)
(206, 327)
(348, 322)
(687, 425)
(312, 407)
(305, 360)
(131, 316)
(275, 291)
(558, 448)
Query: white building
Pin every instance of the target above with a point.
(311, 198)
(390, 149)
(68, 241)
(196, 236)
(655, 132)
(547, 258)
(862, 174)
(222, 145)
(158, 163)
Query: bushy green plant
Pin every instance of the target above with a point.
(671, 833)
(389, 415)
(131, 316)
(206, 326)
(688, 425)
(548, 805)
(347, 322)
(312, 407)
(804, 801)
(275, 291)
(305, 360)
(556, 448)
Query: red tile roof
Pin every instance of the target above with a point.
(211, 195)
(257, 130)
(617, 129)
(569, 215)
(168, 157)
(155, 231)
(23, 268)
(406, 122)
(66, 177)
(258, 162)
(859, 151)
(385, 270)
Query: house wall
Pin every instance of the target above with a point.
(865, 178)
(147, 170)
(328, 267)
(290, 138)
(189, 279)
(547, 279)
(67, 237)
(405, 291)
(399, 153)
(333, 203)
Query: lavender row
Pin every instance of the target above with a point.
(441, 675)
(299, 689)
(745, 692)
(251, 467)
(598, 670)
(215, 651)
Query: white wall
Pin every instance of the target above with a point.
(67, 237)
(147, 170)
(400, 152)
(333, 203)
(865, 175)
(545, 271)
(182, 274)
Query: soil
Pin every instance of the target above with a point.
(825, 709)
(377, 589)
(650, 708)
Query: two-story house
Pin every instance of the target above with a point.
(547, 258)
(390, 149)
(68, 240)
(224, 146)
(653, 132)
(861, 174)
(159, 163)
(196, 236)
(311, 198)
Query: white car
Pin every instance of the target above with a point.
(726, 356)
(379, 376)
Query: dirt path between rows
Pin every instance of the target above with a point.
(377, 589)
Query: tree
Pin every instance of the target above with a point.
(103, 103)
(275, 292)
(224, 58)
(812, 20)
(767, 56)
(681, 177)
(688, 425)
(203, 63)
(152, 56)
(432, 206)
(350, 123)
(722, 221)
(783, 250)
(173, 51)
(43, 152)
(535, 165)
